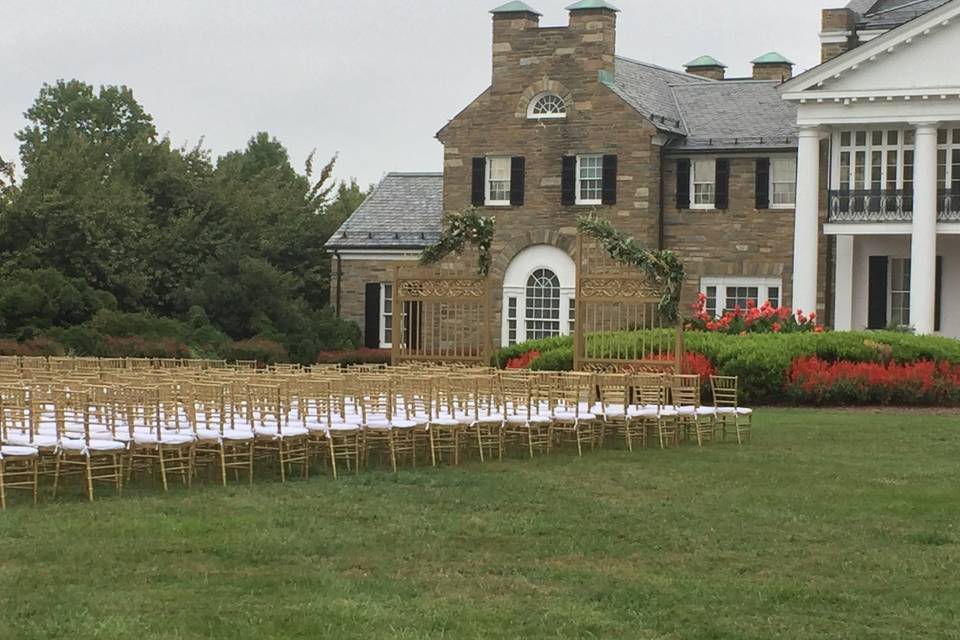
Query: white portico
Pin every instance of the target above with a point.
(889, 111)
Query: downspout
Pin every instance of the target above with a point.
(336, 254)
(661, 233)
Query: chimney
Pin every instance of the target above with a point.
(707, 67)
(511, 22)
(594, 22)
(838, 33)
(772, 66)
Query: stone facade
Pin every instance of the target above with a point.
(571, 62)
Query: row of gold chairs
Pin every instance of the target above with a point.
(108, 424)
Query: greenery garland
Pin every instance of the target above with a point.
(663, 267)
(461, 229)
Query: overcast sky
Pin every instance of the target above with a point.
(373, 80)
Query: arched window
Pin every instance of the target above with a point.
(543, 305)
(547, 105)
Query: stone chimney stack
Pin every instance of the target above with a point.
(594, 23)
(772, 66)
(838, 33)
(511, 22)
(707, 67)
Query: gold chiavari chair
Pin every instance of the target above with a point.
(345, 426)
(160, 442)
(611, 408)
(649, 414)
(19, 463)
(380, 426)
(448, 419)
(92, 455)
(275, 438)
(571, 409)
(489, 417)
(727, 409)
(695, 420)
(217, 446)
(526, 405)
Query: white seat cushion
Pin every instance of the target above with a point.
(445, 421)
(285, 432)
(534, 419)
(493, 418)
(729, 411)
(170, 439)
(706, 411)
(208, 435)
(94, 445)
(344, 427)
(13, 451)
(40, 440)
(237, 434)
(643, 412)
(570, 416)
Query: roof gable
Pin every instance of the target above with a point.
(902, 56)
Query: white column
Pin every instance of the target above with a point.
(843, 291)
(806, 231)
(923, 246)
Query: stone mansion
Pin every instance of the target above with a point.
(836, 190)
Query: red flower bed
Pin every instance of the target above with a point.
(763, 319)
(523, 361)
(812, 380)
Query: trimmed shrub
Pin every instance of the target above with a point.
(137, 347)
(762, 360)
(33, 347)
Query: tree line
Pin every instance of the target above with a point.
(116, 242)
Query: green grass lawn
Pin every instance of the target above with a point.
(829, 525)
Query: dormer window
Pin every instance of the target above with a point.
(547, 106)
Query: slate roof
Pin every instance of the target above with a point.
(405, 211)
(708, 114)
(889, 14)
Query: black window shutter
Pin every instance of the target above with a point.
(413, 324)
(877, 293)
(568, 182)
(763, 183)
(371, 316)
(722, 200)
(609, 180)
(518, 167)
(938, 301)
(683, 184)
(479, 192)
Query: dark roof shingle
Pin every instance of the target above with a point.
(889, 14)
(405, 211)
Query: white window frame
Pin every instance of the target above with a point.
(948, 144)
(773, 183)
(708, 206)
(763, 285)
(386, 319)
(488, 182)
(905, 265)
(870, 172)
(589, 202)
(545, 116)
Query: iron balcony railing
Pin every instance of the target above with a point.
(887, 205)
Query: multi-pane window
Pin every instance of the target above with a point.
(542, 305)
(783, 183)
(728, 294)
(703, 177)
(900, 292)
(511, 321)
(876, 160)
(571, 315)
(386, 315)
(498, 181)
(589, 179)
(548, 105)
(948, 160)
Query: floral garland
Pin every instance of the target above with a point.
(461, 229)
(663, 267)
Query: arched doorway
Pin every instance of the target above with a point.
(538, 291)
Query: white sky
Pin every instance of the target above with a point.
(371, 79)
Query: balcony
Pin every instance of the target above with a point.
(886, 205)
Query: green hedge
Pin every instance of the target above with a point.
(760, 360)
